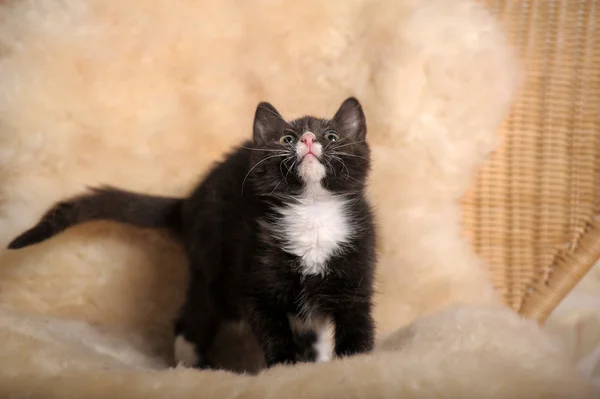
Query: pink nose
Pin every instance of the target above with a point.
(308, 139)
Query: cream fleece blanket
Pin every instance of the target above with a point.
(576, 323)
(145, 94)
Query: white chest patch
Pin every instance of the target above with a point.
(315, 228)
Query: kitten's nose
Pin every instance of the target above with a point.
(308, 138)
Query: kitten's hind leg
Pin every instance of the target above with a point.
(272, 329)
(185, 351)
(313, 339)
(305, 338)
(191, 346)
(195, 331)
(354, 329)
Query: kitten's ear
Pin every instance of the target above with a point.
(268, 123)
(350, 119)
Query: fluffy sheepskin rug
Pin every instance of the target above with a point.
(145, 94)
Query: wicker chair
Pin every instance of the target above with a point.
(534, 212)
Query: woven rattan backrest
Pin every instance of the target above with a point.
(534, 213)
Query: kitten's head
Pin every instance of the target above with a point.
(309, 152)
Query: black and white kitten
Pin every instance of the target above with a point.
(280, 230)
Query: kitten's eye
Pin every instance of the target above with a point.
(330, 136)
(287, 139)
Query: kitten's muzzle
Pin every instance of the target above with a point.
(308, 145)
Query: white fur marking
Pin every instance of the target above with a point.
(311, 170)
(323, 346)
(185, 352)
(314, 228)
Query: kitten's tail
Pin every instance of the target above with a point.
(105, 203)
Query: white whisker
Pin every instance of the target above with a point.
(335, 144)
(275, 188)
(335, 147)
(349, 155)
(330, 165)
(265, 149)
(250, 171)
(290, 169)
(283, 163)
(344, 167)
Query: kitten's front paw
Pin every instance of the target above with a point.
(354, 346)
(288, 358)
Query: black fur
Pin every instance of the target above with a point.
(239, 269)
(105, 203)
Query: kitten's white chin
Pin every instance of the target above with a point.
(311, 170)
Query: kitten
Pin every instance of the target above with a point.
(279, 229)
